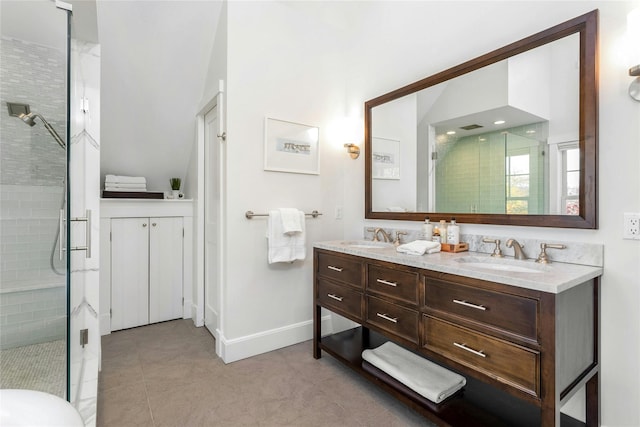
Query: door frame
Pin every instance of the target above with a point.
(198, 305)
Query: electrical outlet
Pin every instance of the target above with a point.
(631, 226)
(338, 213)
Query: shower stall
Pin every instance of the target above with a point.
(48, 340)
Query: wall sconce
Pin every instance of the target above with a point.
(634, 87)
(633, 39)
(353, 150)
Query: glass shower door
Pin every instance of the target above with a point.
(33, 176)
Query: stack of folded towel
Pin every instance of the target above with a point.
(419, 247)
(125, 183)
(419, 374)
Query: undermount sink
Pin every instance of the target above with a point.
(500, 265)
(367, 244)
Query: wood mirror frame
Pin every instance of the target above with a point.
(587, 28)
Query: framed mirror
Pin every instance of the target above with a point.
(508, 138)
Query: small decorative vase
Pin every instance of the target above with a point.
(175, 194)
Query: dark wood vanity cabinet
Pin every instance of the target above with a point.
(524, 352)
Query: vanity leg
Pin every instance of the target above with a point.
(593, 401)
(317, 332)
(365, 338)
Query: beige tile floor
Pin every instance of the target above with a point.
(168, 374)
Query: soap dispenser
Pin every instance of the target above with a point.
(453, 233)
(443, 231)
(427, 230)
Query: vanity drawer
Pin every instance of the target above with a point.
(511, 313)
(397, 284)
(504, 361)
(393, 318)
(342, 299)
(344, 269)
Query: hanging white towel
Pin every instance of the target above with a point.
(419, 247)
(291, 222)
(284, 247)
(419, 374)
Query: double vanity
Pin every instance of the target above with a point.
(523, 334)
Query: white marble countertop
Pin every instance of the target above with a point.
(554, 278)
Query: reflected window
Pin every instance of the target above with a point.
(570, 179)
(517, 184)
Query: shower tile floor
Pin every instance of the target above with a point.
(41, 367)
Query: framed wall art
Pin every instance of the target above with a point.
(291, 147)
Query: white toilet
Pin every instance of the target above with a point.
(36, 408)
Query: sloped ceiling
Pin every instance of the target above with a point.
(154, 58)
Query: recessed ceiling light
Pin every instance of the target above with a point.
(451, 132)
(531, 131)
(483, 139)
(499, 122)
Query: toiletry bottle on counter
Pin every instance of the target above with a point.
(427, 230)
(443, 231)
(436, 235)
(453, 233)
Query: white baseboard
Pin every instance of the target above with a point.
(187, 309)
(105, 324)
(231, 350)
(197, 320)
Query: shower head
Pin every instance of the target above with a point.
(28, 119)
(23, 112)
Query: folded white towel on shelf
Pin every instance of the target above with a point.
(121, 179)
(111, 188)
(112, 185)
(291, 222)
(419, 247)
(419, 374)
(284, 247)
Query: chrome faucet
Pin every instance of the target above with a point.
(517, 249)
(385, 235)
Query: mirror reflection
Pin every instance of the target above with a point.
(502, 139)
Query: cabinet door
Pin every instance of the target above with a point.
(165, 269)
(129, 272)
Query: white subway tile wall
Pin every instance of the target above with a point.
(32, 172)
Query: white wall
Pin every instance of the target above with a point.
(154, 59)
(286, 67)
(285, 64)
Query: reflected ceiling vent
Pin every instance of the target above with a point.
(470, 127)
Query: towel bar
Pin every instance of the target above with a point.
(250, 214)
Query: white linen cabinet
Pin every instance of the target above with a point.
(147, 263)
(146, 271)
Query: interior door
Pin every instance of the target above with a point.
(212, 220)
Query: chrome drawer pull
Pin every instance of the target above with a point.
(386, 317)
(384, 282)
(331, 267)
(468, 304)
(470, 350)
(335, 297)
